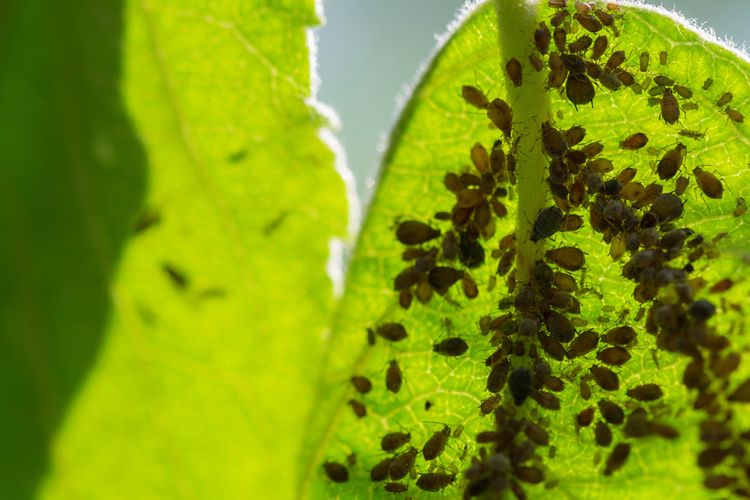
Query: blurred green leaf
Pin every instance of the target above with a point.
(434, 136)
(167, 207)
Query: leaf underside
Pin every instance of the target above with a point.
(166, 202)
(434, 136)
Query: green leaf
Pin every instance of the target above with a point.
(167, 209)
(433, 137)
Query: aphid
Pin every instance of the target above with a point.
(560, 326)
(498, 376)
(571, 222)
(554, 383)
(579, 89)
(537, 434)
(605, 378)
(618, 457)
(469, 286)
(536, 62)
(588, 22)
(551, 346)
(613, 356)
(663, 57)
(711, 457)
(570, 258)
(442, 277)
(395, 332)
(380, 471)
(393, 377)
(434, 481)
(531, 475)
(574, 135)
(667, 207)
(621, 335)
(361, 384)
(714, 432)
(741, 207)
(602, 434)
(500, 113)
(359, 409)
(583, 344)
(724, 367)
(519, 383)
(514, 70)
(735, 115)
(546, 400)
(719, 481)
(553, 141)
(584, 389)
(585, 417)
(434, 446)
(488, 405)
(605, 18)
(708, 183)
(547, 223)
(683, 92)
(635, 141)
(721, 286)
(581, 44)
(474, 96)
(725, 99)
(395, 487)
(645, 392)
(542, 37)
(413, 232)
(611, 412)
(741, 394)
(643, 61)
(663, 81)
(454, 346)
(146, 220)
(593, 149)
(402, 464)
(394, 440)
(560, 38)
(600, 47)
(178, 278)
(708, 83)
(370, 337)
(637, 424)
(670, 108)
(336, 472)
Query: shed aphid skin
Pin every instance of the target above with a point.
(475, 97)
(393, 377)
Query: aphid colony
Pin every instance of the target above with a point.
(538, 320)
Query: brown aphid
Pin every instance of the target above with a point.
(359, 409)
(611, 412)
(547, 223)
(723, 367)
(605, 378)
(531, 475)
(443, 277)
(554, 143)
(721, 286)
(546, 400)
(585, 417)
(741, 394)
(600, 47)
(434, 481)
(583, 344)
(570, 258)
(553, 383)
(617, 458)
(542, 37)
(579, 89)
(336, 472)
(637, 424)
(645, 392)
(392, 487)
(380, 471)
(663, 56)
(489, 405)
(735, 115)
(393, 377)
(681, 185)
(551, 346)
(434, 446)
(602, 434)
(470, 288)
(683, 91)
(714, 432)
(500, 113)
(454, 346)
(498, 376)
(708, 83)
(613, 356)
(413, 232)
(452, 182)
(708, 183)
(560, 326)
(690, 106)
(584, 389)
(402, 464)
(557, 76)
(741, 207)
(361, 384)
(560, 37)
(536, 63)
(725, 99)
(588, 22)
(474, 96)
(635, 141)
(537, 434)
(395, 332)
(663, 81)
(719, 481)
(648, 195)
(670, 108)
(571, 222)
(514, 70)
(574, 135)
(480, 158)
(394, 440)
(667, 207)
(621, 335)
(581, 44)
(711, 457)
(593, 149)
(615, 60)
(643, 61)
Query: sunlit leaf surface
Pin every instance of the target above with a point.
(434, 136)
